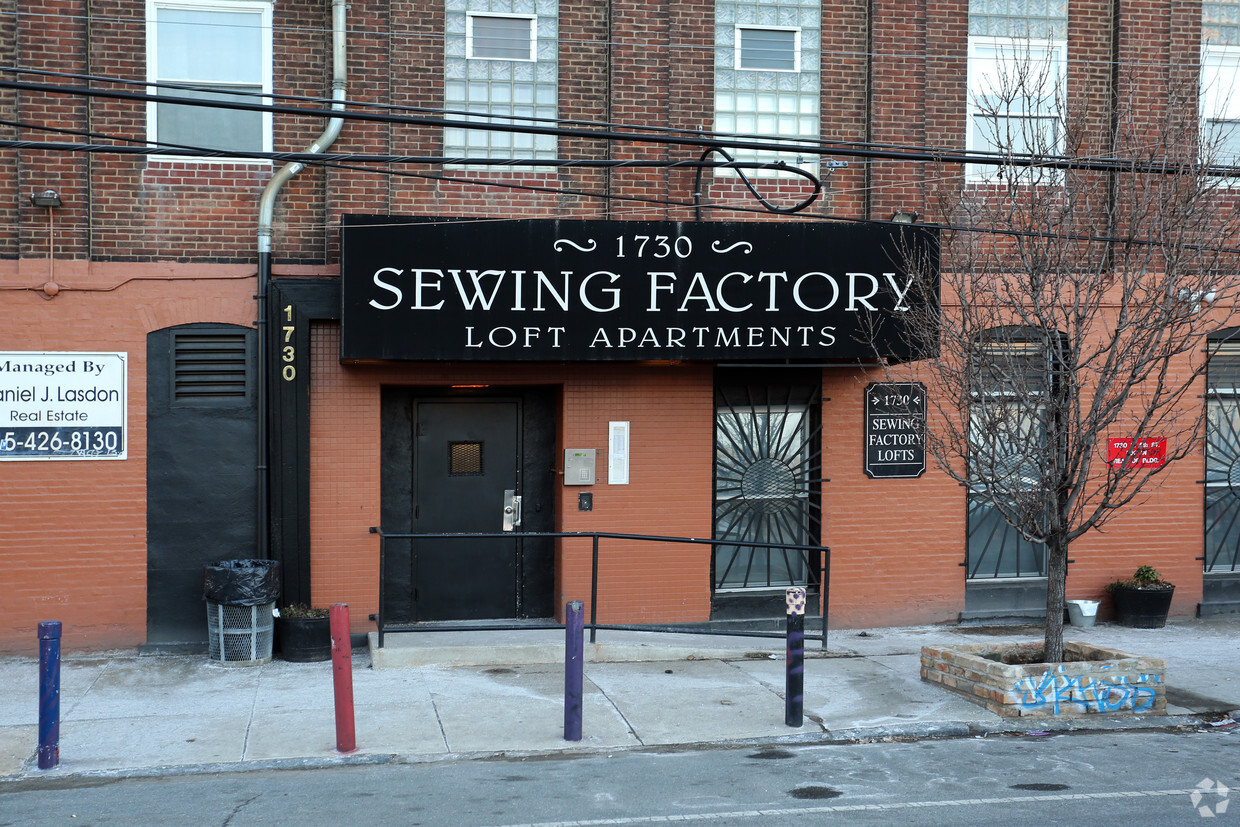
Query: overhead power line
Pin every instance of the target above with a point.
(945, 156)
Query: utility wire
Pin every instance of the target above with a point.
(947, 156)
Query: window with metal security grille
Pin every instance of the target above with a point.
(464, 459)
(1007, 438)
(501, 68)
(1222, 529)
(767, 75)
(219, 51)
(210, 368)
(767, 460)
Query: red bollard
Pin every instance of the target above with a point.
(342, 677)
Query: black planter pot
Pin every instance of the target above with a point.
(304, 639)
(1142, 608)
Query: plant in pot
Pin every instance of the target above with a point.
(1143, 600)
(304, 633)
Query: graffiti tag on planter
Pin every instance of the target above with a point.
(895, 430)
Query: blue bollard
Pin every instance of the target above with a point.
(574, 645)
(49, 694)
(794, 682)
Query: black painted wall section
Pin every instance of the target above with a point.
(293, 303)
(201, 492)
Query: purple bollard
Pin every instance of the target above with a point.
(794, 682)
(574, 645)
(49, 694)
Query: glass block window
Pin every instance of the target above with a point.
(1018, 55)
(501, 67)
(223, 51)
(1019, 19)
(1220, 22)
(1220, 81)
(768, 73)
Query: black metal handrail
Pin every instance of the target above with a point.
(824, 570)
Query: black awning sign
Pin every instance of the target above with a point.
(895, 430)
(560, 290)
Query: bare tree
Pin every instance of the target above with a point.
(1077, 295)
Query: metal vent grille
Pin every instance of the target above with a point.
(209, 366)
(465, 459)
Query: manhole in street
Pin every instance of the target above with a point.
(772, 754)
(1040, 786)
(814, 791)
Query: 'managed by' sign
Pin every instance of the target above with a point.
(593, 290)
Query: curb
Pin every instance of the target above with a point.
(30, 778)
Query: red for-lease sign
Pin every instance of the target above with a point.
(1143, 452)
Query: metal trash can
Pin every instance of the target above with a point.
(241, 600)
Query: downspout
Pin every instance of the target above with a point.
(266, 214)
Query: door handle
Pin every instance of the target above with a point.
(512, 509)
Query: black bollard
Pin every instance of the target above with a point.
(794, 682)
(574, 632)
(49, 694)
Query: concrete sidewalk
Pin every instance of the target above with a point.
(487, 693)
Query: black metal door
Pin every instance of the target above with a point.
(201, 486)
(465, 457)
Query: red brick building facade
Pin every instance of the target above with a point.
(149, 251)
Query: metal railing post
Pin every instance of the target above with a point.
(824, 586)
(594, 591)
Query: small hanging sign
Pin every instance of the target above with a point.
(895, 430)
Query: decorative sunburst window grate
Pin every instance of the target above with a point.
(1222, 534)
(767, 461)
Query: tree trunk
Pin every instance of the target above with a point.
(1056, 591)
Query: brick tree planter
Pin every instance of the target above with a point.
(1008, 680)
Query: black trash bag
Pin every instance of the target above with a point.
(242, 582)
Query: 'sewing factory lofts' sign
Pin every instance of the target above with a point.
(895, 430)
(596, 290)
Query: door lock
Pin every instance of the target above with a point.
(512, 509)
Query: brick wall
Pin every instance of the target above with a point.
(144, 243)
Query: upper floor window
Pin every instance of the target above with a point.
(220, 51)
(767, 73)
(776, 50)
(1016, 79)
(1220, 81)
(501, 38)
(501, 67)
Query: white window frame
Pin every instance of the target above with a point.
(1220, 92)
(796, 47)
(260, 8)
(990, 51)
(531, 20)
